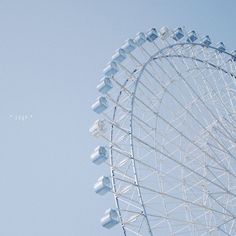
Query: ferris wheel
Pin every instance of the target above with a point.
(167, 115)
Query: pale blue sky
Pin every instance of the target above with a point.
(52, 53)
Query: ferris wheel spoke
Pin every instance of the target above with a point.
(183, 201)
(229, 153)
(185, 109)
(194, 60)
(188, 138)
(194, 92)
(225, 85)
(211, 90)
(180, 182)
(186, 167)
(196, 119)
(176, 220)
(164, 174)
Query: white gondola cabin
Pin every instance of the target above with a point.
(178, 34)
(111, 69)
(206, 40)
(152, 35)
(110, 218)
(119, 56)
(98, 128)
(164, 33)
(129, 46)
(103, 185)
(140, 39)
(220, 47)
(100, 105)
(100, 155)
(192, 36)
(105, 85)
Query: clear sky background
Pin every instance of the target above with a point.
(52, 53)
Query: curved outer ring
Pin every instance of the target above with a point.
(153, 57)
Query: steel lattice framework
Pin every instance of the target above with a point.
(170, 130)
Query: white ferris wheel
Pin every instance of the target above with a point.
(167, 115)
